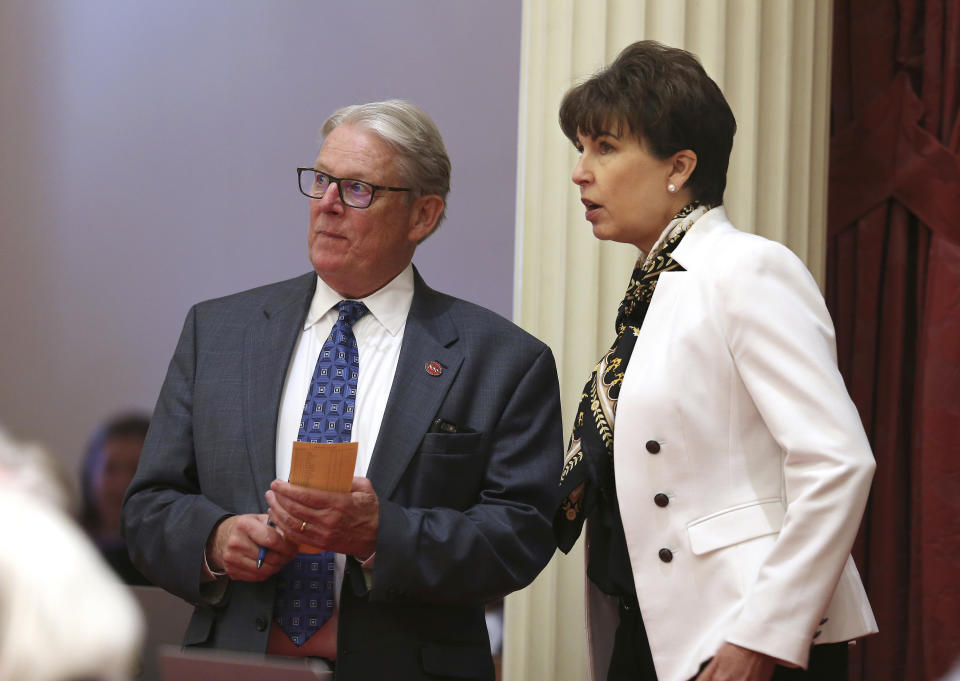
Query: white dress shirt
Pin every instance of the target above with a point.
(379, 336)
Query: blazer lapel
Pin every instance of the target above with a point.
(268, 346)
(669, 305)
(417, 393)
(697, 244)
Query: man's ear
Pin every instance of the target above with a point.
(684, 163)
(423, 217)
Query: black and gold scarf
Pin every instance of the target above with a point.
(587, 477)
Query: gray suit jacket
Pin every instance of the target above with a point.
(464, 518)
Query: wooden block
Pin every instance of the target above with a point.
(326, 466)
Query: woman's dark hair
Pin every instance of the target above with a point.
(666, 99)
(132, 425)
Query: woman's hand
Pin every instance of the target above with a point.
(735, 663)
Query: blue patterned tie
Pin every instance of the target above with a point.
(305, 589)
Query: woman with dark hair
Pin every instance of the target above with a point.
(108, 467)
(716, 453)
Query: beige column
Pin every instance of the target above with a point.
(771, 58)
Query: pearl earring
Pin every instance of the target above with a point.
(672, 188)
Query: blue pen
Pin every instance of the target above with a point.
(262, 553)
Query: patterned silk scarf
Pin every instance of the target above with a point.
(587, 478)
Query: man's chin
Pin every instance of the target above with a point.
(328, 256)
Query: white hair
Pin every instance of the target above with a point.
(29, 467)
(422, 159)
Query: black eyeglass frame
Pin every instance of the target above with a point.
(337, 180)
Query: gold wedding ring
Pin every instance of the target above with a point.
(303, 525)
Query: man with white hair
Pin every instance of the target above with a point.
(66, 617)
(455, 412)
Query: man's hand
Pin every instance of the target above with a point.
(345, 523)
(234, 543)
(734, 663)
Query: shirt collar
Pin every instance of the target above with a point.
(389, 304)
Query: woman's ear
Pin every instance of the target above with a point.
(684, 163)
(423, 217)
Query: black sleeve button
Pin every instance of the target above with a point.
(661, 500)
(260, 624)
(653, 446)
(666, 555)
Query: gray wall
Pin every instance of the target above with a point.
(147, 154)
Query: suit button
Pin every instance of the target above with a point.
(666, 555)
(661, 500)
(261, 624)
(653, 446)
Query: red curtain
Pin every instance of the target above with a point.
(893, 287)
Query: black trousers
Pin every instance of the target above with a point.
(632, 660)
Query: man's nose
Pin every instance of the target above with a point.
(331, 196)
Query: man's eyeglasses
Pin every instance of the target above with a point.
(354, 193)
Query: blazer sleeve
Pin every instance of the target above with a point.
(502, 540)
(782, 342)
(166, 518)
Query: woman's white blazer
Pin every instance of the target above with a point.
(732, 407)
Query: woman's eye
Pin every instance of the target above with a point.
(605, 148)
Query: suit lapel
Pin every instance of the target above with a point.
(696, 247)
(268, 345)
(417, 394)
(669, 303)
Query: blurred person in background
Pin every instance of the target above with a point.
(64, 616)
(108, 467)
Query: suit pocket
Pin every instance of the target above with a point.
(450, 443)
(447, 471)
(736, 524)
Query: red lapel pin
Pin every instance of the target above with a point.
(433, 368)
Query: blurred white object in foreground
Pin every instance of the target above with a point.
(63, 614)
